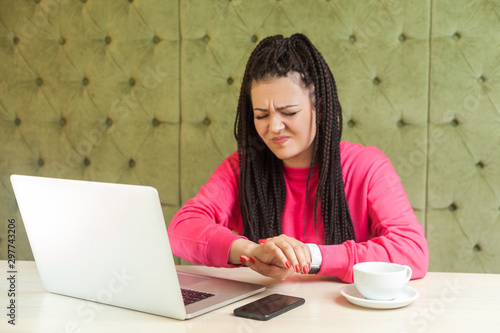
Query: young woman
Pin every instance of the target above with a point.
(293, 198)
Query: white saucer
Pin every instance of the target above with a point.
(352, 294)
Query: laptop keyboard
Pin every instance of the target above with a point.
(193, 296)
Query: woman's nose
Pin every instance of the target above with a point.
(276, 124)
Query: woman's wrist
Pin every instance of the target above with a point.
(240, 247)
(316, 258)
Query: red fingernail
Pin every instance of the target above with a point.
(306, 270)
(262, 241)
(287, 264)
(297, 268)
(252, 260)
(243, 260)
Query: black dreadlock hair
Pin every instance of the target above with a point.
(262, 184)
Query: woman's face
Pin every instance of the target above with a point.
(285, 119)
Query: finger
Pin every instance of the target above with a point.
(271, 254)
(246, 260)
(272, 271)
(304, 257)
(280, 253)
(296, 252)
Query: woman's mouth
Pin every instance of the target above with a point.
(279, 140)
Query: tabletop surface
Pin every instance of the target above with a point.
(448, 302)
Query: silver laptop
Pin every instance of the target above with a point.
(108, 243)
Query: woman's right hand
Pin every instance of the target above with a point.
(276, 257)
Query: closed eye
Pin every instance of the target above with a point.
(286, 114)
(282, 110)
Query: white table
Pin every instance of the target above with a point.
(448, 302)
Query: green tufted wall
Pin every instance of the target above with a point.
(145, 91)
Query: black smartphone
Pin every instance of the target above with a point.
(269, 307)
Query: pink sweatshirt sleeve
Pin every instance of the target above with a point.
(379, 206)
(202, 230)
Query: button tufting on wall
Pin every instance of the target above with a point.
(155, 122)
(84, 1)
(41, 162)
(230, 80)
(16, 40)
(39, 81)
(107, 40)
(352, 39)
(85, 81)
(453, 207)
(62, 40)
(482, 79)
(130, 1)
(351, 123)
(401, 123)
(205, 38)
(156, 39)
(86, 161)
(480, 165)
(402, 38)
(455, 122)
(477, 248)
(62, 121)
(207, 121)
(254, 39)
(38, 1)
(109, 122)
(131, 163)
(376, 81)
(131, 81)
(17, 121)
(456, 36)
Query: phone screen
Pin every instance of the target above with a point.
(269, 307)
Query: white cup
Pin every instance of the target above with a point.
(382, 281)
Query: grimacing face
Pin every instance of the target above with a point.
(285, 119)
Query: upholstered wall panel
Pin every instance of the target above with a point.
(88, 90)
(380, 60)
(145, 92)
(464, 137)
